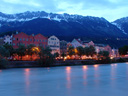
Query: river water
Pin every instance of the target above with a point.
(87, 80)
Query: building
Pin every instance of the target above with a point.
(115, 53)
(54, 44)
(22, 38)
(76, 43)
(1, 41)
(88, 43)
(103, 47)
(63, 47)
(8, 39)
(40, 40)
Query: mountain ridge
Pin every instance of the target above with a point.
(64, 26)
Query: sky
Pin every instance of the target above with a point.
(109, 9)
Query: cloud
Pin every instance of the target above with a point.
(110, 9)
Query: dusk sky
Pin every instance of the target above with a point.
(109, 9)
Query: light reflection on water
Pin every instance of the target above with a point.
(85, 74)
(27, 80)
(68, 73)
(72, 81)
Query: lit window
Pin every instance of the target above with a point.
(20, 39)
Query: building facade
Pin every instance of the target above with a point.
(88, 43)
(115, 53)
(102, 47)
(63, 47)
(54, 44)
(8, 39)
(40, 40)
(22, 38)
(76, 43)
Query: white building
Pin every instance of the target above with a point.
(115, 53)
(8, 39)
(76, 43)
(54, 44)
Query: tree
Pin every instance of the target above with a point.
(89, 51)
(4, 52)
(30, 50)
(123, 50)
(71, 51)
(103, 54)
(63, 55)
(47, 51)
(80, 51)
(46, 58)
(10, 48)
(56, 54)
(21, 50)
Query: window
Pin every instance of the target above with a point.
(20, 39)
(52, 38)
(13, 38)
(23, 39)
(40, 40)
(37, 40)
(17, 39)
(31, 39)
(26, 39)
(13, 44)
(43, 40)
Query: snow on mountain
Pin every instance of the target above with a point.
(27, 16)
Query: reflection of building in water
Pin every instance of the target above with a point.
(85, 74)
(68, 72)
(96, 74)
(27, 80)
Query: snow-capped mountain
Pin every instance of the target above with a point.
(122, 24)
(27, 16)
(62, 25)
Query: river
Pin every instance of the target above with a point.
(86, 80)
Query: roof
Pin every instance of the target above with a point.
(101, 45)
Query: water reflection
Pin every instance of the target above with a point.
(96, 66)
(113, 74)
(85, 74)
(85, 67)
(96, 74)
(27, 81)
(68, 77)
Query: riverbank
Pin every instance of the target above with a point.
(31, 64)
